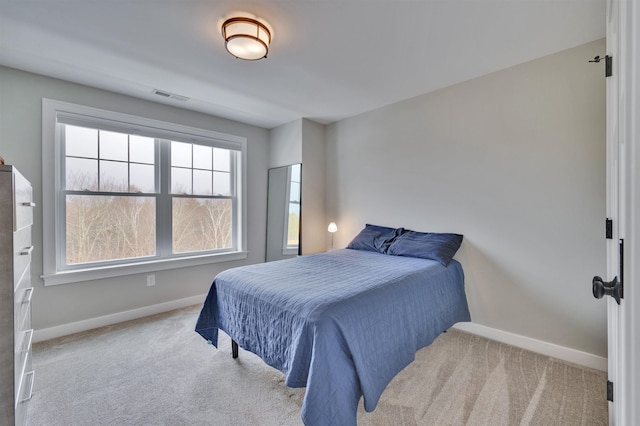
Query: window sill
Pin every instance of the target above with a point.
(90, 274)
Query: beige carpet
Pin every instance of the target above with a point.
(158, 371)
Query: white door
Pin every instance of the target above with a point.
(623, 168)
(614, 244)
(614, 225)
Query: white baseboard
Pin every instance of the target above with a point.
(89, 324)
(549, 349)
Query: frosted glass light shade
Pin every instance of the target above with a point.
(332, 227)
(246, 38)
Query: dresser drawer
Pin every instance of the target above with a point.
(22, 249)
(19, 334)
(22, 303)
(22, 358)
(22, 203)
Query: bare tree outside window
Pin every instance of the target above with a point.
(101, 228)
(201, 224)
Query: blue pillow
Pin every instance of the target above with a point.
(426, 245)
(375, 238)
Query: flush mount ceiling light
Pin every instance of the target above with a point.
(246, 38)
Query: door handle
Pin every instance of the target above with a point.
(612, 288)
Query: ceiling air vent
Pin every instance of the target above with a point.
(170, 95)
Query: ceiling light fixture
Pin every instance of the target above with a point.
(246, 38)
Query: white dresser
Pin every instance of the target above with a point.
(16, 373)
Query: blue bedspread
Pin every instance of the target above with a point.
(341, 323)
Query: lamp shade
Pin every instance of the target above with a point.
(332, 227)
(246, 38)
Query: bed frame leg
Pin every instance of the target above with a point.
(234, 349)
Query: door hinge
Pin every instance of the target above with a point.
(608, 64)
(609, 390)
(609, 229)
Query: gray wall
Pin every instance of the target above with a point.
(314, 224)
(302, 141)
(285, 144)
(21, 96)
(515, 161)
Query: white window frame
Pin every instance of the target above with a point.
(53, 224)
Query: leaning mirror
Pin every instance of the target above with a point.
(284, 208)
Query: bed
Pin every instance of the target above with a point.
(341, 323)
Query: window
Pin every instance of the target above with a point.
(202, 197)
(124, 194)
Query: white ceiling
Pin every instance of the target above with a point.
(329, 59)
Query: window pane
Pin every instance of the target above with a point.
(114, 176)
(114, 146)
(81, 141)
(142, 178)
(221, 183)
(202, 157)
(202, 182)
(181, 154)
(221, 159)
(201, 224)
(141, 149)
(81, 174)
(180, 181)
(103, 228)
(293, 226)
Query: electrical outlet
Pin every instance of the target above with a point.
(151, 280)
